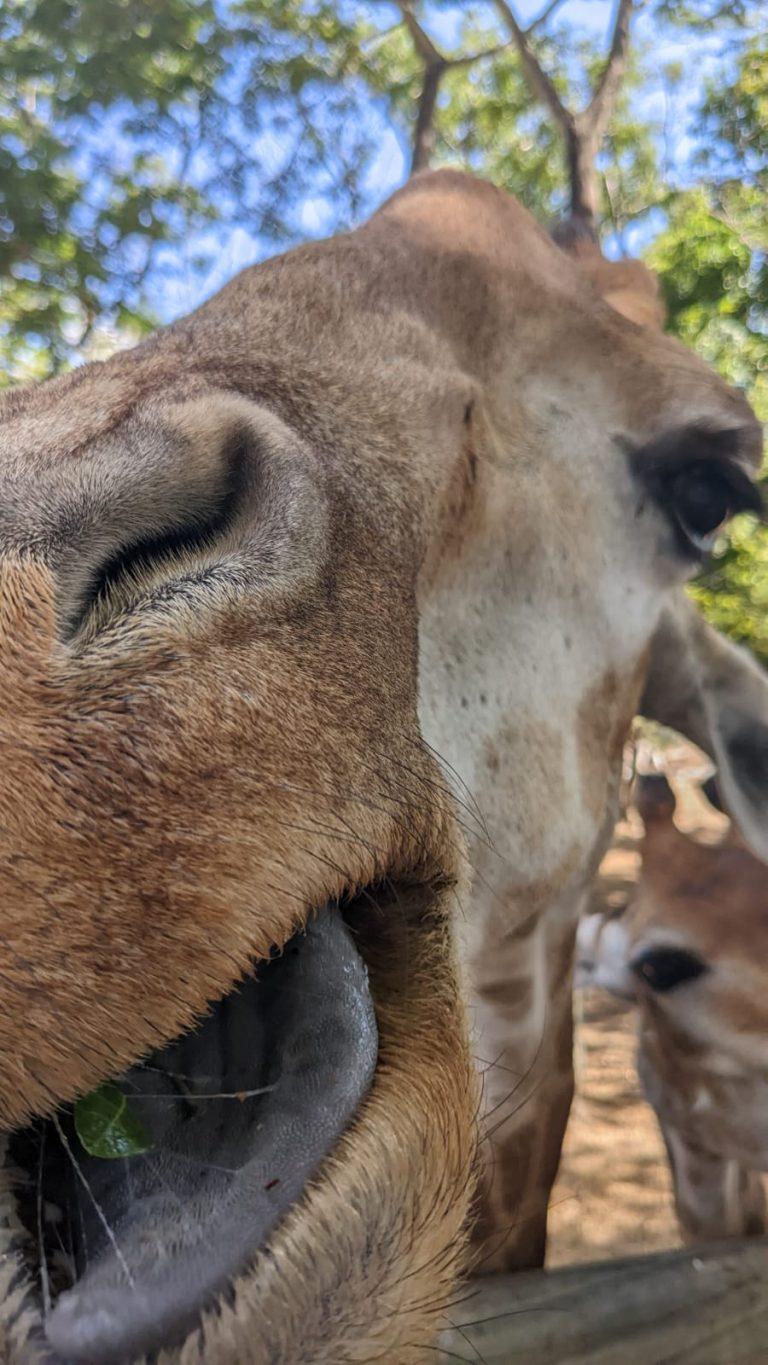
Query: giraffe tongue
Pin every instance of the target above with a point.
(160, 1235)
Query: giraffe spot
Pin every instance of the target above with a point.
(523, 929)
(492, 761)
(605, 714)
(513, 998)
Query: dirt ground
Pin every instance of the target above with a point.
(613, 1195)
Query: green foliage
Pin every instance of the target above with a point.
(709, 14)
(126, 126)
(107, 1126)
(75, 229)
(734, 592)
(302, 73)
(711, 258)
(734, 118)
(715, 286)
(486, 122)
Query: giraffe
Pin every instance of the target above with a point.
(393, 518)
(517, 945)
(690, 950)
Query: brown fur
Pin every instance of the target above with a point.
(228, 739)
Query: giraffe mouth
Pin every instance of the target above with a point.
(240, 1113)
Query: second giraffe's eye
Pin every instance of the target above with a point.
(665, 968)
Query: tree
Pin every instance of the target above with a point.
(77, 232)
(583, 130)
(128, 127)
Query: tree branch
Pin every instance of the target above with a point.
(435, 66)
(473, 57)
(582, 132)
(542, 18)
(424, 133)
(432, 56)
(421, 39)
(600, 108)
(540, 83)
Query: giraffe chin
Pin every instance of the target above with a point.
(240, 1113)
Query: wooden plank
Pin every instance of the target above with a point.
(708, 1307)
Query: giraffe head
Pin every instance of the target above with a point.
(691, 942)
(690, 949)
(417, 488)
(697, 935)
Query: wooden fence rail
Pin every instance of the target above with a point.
(677, 1308)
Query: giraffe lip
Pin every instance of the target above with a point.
(286, 1059)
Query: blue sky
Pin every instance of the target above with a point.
(179, 284)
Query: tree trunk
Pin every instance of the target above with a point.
(424, 135)
(582, 147)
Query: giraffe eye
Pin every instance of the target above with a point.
(663, 969)
(696, 478)
(702, 500)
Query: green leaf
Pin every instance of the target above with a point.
(106, 1125)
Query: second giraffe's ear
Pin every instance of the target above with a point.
(713, 692)
(654, 799)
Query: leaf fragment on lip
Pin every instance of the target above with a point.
(107, 1126)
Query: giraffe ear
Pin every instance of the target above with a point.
(628, 286)
(713, 692)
